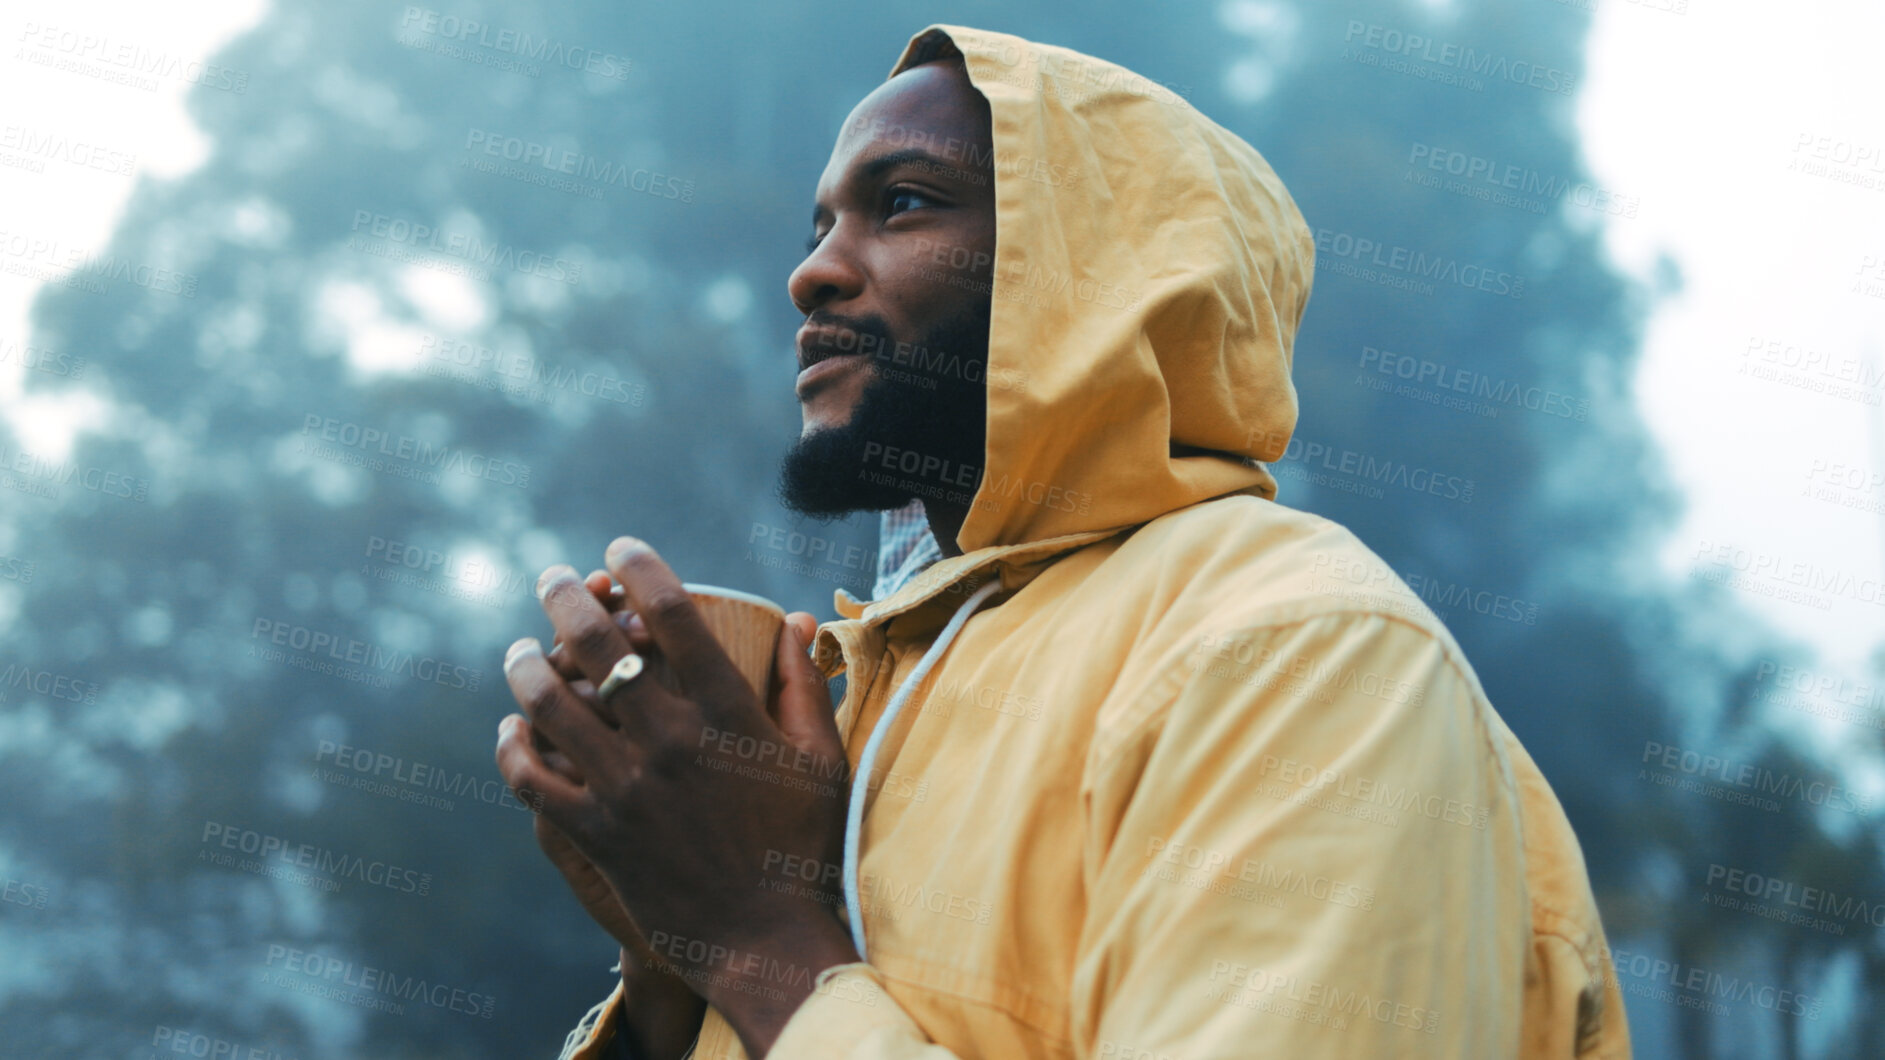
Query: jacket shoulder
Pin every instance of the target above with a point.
(1247, 560)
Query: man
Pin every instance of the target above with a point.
(1142, 764)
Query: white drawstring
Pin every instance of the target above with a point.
(860, 783)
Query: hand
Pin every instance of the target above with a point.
(690, 800)
(591, 888)
(661, 1014)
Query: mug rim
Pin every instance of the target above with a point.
(733, 594)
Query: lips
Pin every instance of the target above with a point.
(825, 341)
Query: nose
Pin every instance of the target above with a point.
(828, 274)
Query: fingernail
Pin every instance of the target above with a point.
(620, 547)
(550, 577)
(519, 649)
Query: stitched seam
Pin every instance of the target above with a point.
(998, 1004)
(1157, 714)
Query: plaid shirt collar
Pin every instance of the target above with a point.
(904, 548)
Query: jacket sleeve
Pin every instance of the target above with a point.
(849, 1014)
(1310, 848)
(594, 1035)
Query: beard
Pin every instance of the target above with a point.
(936, 406)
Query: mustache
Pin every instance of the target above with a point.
(866, 326)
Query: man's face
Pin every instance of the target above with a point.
(896, 292)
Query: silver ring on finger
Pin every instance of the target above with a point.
(626, 669)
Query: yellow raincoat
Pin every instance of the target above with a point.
(1194, 774)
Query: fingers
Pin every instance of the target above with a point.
(552, 756)
(661, 601)
(602, 587)
(610, 596)
(807, 625)
(802, 707)
(535, 783)
(565, 719)
(583, 629)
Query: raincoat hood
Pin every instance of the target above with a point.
(1150, 272)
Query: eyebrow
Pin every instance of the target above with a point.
(889, 160)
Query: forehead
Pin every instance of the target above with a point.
(931, 107)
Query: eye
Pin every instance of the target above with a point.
(812, 243)
(897, 195)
